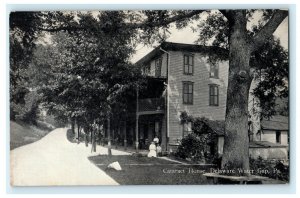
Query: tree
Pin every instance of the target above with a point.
(228, 29)
(23, 32)
(271, 68)
(241, 46)
(86, 72)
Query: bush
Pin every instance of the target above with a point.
(192, 147)
(44, 126)
(275, 170)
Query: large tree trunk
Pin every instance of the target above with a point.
(236, 143)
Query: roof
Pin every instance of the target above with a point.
(218, 126)
(264, 144)
(169, 46)
(276, 122)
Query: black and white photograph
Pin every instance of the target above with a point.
(149, 97)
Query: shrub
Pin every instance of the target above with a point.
(201, 143)
(201, 126)
(275, 170)
(28, 110)
(190, 147)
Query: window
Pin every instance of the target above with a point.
(213, 95)
(214, 70)
(187, 128)
(187, 92)
(146, 69)
(278, 137)
(158, 63)
(188, 64)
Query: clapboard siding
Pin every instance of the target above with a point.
(201, 80)
(163, 67)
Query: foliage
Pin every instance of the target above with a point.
(201, 126)
(184, 117)
(23, 32)
(199, 144)
(196, 148)
(85, 73)
(272, 67)
(61, 120)
(214, 26)
(27, 111)
(190, 147)
(275, 170)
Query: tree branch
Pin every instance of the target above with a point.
(268, 29)
(141, 25)
(62, 28)
(165, 22)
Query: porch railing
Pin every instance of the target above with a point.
(151, 104)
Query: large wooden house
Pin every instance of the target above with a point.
(190, 78)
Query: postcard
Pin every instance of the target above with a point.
(149, 97)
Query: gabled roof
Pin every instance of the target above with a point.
(169, 46)
(218, 126)
(276, 122)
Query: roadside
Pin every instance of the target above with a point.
(22, 133)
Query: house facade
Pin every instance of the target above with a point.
(193, 83)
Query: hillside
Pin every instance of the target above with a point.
(22, 133)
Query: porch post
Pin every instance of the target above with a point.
(137, 121)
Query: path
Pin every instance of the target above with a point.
(53, 160)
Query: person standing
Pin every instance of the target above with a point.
(156, 140)
(158, 150)
(152, 150)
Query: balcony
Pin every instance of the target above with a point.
(151, 106)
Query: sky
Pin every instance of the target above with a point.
(186, 35)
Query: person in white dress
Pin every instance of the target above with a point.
(152, 150)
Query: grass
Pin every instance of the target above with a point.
(71, 136)
(22, 133)
(138, 170)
